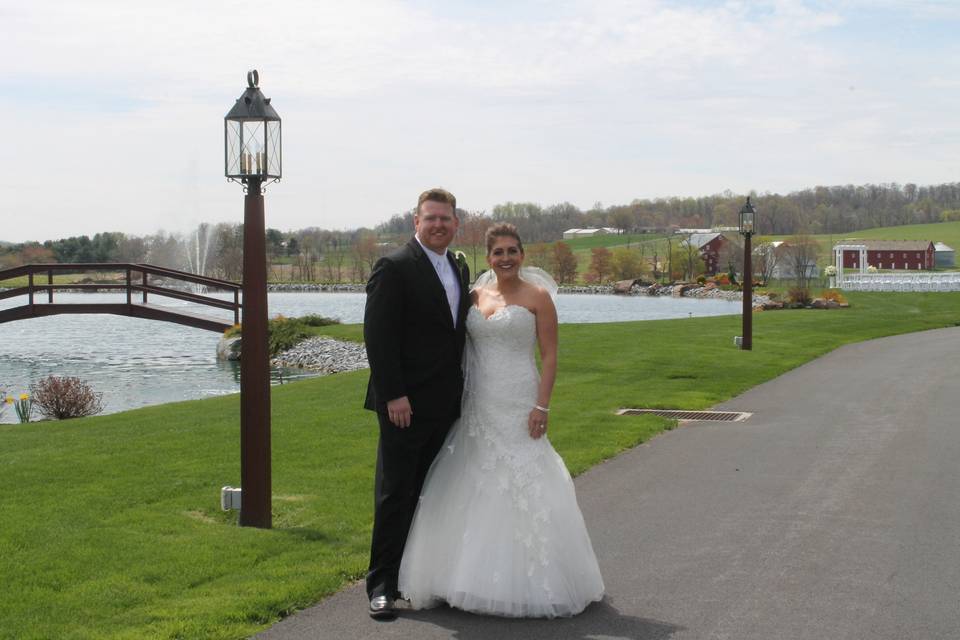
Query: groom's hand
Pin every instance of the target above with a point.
(399, 411)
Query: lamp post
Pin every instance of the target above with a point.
(747, 219)
(252, 157)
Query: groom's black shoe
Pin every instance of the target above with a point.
(381, 608)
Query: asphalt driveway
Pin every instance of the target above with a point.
(832, 513)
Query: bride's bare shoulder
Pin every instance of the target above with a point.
(537, 298)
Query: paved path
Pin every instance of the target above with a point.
(832, 513)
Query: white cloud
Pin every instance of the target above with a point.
(118, 106)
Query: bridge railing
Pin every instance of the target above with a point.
(140, 281)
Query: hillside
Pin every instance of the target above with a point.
(946, 232)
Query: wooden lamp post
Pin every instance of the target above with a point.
(747, 220)
(252, 157)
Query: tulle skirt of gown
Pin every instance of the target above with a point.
(498, 529)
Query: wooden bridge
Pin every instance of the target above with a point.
(141, 281)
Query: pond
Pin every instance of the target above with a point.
(138, 362)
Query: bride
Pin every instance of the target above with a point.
(497, 529)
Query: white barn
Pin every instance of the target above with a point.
(569, 234)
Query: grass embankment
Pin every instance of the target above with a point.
(114, 277)
(112, 528)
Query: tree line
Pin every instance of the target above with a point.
(819, 210)
(316, 254)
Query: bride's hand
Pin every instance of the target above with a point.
(537, 423)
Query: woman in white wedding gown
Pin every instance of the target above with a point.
(497, 529)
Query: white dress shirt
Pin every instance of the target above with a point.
(448, 278)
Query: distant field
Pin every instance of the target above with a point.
(610, 240)
(945, 232)
(652, 244)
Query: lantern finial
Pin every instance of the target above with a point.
(253, 78)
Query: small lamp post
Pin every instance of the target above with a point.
(251, 132)
(747, 221)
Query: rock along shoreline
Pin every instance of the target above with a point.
(320, 353)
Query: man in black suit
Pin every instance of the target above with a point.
(414, 329)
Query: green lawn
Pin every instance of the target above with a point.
(70, 278)
(112, 527)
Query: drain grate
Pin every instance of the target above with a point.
(682, 414)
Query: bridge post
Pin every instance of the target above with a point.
(255, 505)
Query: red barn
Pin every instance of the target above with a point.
(710, 245)
(892, 254)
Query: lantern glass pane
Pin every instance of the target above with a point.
(273, 148)
(232, 148)
(252, 147)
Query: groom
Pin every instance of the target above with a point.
(413, 326)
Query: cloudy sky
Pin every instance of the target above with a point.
(113, 110)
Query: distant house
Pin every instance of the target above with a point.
(710, 245)
(570, 234)
(943, 256)
(891, 254)
(785, 262)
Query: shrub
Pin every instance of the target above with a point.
(315, 320)
(284, 333)
(799, 295)
(65, 397)
(833, 294)
(702, 279)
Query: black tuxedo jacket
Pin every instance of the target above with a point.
(413, 347)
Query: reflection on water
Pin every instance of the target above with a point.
(137, 362)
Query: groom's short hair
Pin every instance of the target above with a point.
(438, 195)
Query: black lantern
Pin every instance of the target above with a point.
(747, 218)
(251, 133)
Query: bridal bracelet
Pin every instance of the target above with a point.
(544, 409)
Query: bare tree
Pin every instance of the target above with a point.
(730, 258)
(600, 258)
(366, 251)
(691, 260)
(540, 255)
(564, 263)
(627, 264)
(766, 259)
(472, 236)
(801, 256)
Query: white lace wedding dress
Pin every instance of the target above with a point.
(497, 528)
